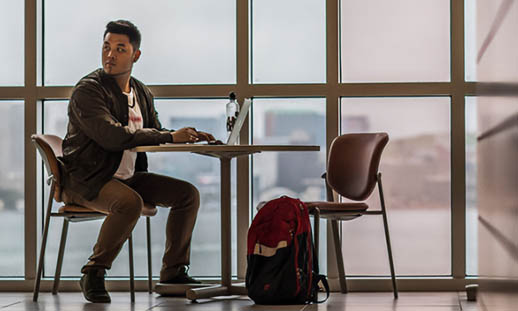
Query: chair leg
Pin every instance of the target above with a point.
(339, 257)
(61, 253)
(149, 269)
(316, 229)
(387, 237)
(43, 244)
(132, 274)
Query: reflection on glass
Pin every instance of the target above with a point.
(470, 41)
(11, 32)
(416, 181)
(471, 187)
(395, 41)
(11, 189)
(288, 41)
(183, 42)
(203, 172)
(290, 121)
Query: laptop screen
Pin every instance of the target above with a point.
(234, 135)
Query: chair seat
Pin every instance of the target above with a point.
(147, 210)
(338, 210)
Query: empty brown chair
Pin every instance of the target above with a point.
(49, 147)
(352, 172)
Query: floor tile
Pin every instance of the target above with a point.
(405, 298)
(408, 301)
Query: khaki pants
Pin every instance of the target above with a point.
(123, 201)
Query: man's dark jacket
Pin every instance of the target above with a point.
(97, 132)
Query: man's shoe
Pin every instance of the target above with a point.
(181, 277)
(92, 285)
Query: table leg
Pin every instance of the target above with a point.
(226, 288)
(226, 252)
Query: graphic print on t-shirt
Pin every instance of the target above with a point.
(127, 167)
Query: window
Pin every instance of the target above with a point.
(11, 32)
(207, 115)
(494, 46)
(81, 237)
(471, 187)
(395, 41)
(183, 42)
(196, 42)
(416, 183)
(290, 121)
(55, 118)
(204, 172)
(470, 40)
(288, 41)
(11, 188)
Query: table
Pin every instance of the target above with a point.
(225, 154)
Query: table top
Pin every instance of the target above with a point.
(202, 148)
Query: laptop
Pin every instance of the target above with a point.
(234, 134)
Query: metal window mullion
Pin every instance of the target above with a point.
(274, 90)
(395, 89)
(332, 105)
(243, 167)
(458, 143)
(12, 92)
(30, 124)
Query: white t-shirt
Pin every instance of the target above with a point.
(127, 167)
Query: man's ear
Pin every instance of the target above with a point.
(137, 56)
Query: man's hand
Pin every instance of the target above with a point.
(205, 136)
(185, 135)
(190, 135)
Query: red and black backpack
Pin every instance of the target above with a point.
(282, 264)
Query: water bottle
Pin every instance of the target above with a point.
(232, 112)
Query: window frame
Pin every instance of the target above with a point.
(31, 93)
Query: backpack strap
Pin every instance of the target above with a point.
(323, 278)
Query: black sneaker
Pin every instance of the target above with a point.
(92, 285)
(182, 277)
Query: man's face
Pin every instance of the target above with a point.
(118, 54)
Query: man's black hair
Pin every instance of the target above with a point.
(125, 27)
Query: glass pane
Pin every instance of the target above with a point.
(290, 121)
(208, 115)
(395, 41)
(11, 189)
(11, 32)
(496, 41)
(288, 41)
(471, 187)
(55, 118)
(204, 173)
(193, 44)
(417, 184)
(81, 236)
(470, 40)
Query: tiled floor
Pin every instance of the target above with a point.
(408, 301)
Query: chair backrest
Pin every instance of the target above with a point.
(353, 163)
(49, 147)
